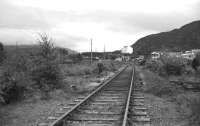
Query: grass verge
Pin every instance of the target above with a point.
(169, 104)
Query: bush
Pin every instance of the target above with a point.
(46, 75)
(76, 58)
(22, 72)
(173, 65)
(196, 62)
(15, 79)
(167, 65)
(159, 86)
(45, 72)
(111, 65)
(154, 65)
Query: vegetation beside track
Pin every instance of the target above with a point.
(170, 104)
(35, 81)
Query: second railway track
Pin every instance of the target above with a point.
(108, 105)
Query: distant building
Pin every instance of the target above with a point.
(118, 59)
(123, 58)
(156, 55)
(190, 55)
(141, 57)
(195, 51)
(173, 54)
(126, 49)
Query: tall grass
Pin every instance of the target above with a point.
(195, 107)
(189, 102)
(87, 68)
(166, 66)
(78, 69)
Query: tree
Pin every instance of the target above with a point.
(47, 49)
(46, 72)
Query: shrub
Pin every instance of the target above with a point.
(45, 72)
(154, 65)
(21, 72)
(76, 58)
(46, 75)
(196, 62)
(159, 86)
(167, 65)
(15, 78)
(173, 65)
(111, 65)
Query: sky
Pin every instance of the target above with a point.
(110, 23)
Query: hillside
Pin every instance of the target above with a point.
(30, 48)
(185, 38)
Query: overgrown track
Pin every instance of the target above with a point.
(109, 105)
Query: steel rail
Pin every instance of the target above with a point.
(128, 99)
(59, 121)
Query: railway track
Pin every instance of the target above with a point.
(117, 102)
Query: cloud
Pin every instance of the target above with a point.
(71, 27)
(16, 17)
(25, 17)
(197, 8)
(19, 18)
(11, 36)
(69, 41)
(137, 22)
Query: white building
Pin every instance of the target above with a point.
(126, 49)
(195, 51)
(156, 55)
(190, 55)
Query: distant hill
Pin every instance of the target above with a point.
(185, 38)
(29, 48)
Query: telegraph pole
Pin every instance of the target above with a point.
(16, 44)
(16, 47)
(91, 52)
